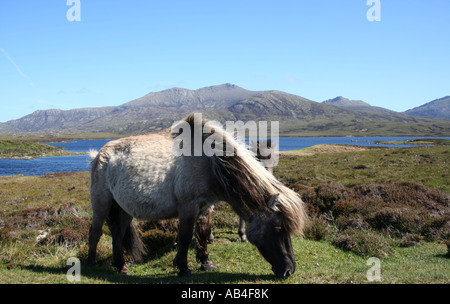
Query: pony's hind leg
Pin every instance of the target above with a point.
(202, 234)
(119, 222)
(100, 209)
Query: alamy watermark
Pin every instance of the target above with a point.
(203, 140)
(374, 272)
(374, 12)
(74, 272)
(74, 12)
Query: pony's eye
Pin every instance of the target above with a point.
(277, 228)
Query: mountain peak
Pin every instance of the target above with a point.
(227, 85)
(222, 87)
(345, 102)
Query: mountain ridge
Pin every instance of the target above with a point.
(157, 110)
(358, 105)
(439, 108)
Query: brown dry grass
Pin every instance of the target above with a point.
(321, 149)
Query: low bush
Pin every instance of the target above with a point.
(396, 209)
(353, 221)
(363, 243)
(410, 240)
(316, 229)
(397, 220)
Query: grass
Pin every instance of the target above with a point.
(317, 262)
(58, 137)
(379, 202)
(421, 141)
(28, 149)
(363, 128)
(429, 166)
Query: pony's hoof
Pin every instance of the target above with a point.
(124, 270)
(90, 262)
(209, 266)
(244, 238)
(185, 273)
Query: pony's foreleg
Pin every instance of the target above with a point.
(202, 234)
(185, 231)
(241, 230)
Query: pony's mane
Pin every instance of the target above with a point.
(248, 184)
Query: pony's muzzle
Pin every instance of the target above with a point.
(285, 273)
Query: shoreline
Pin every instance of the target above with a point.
(31, 157)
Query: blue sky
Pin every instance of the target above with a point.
(121, 50)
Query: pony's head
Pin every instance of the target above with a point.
(269, 233)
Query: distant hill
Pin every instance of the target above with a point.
(297, 115)
(55, 119)
(357, 105)
(438, 108)
(346, 103)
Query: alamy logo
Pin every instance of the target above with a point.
(374, 272)
(74, 272)
(203, 140)
(374, 12)
(74, 12)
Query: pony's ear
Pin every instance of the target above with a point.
(273, 202)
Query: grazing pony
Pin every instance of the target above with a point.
(141, 177)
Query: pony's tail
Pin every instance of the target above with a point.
(92, 154)
(132, 243)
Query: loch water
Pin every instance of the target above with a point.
(41, 166)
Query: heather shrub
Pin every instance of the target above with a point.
(363, 243)
(396, 209)
(156, 239)
(410, 240)
(437, 228)
(348, 207)
(397, 220)
(316, 229)
(328, 194)
(170, 225)
(73, 231)
(354, 221)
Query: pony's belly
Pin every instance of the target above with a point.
(148, 208)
